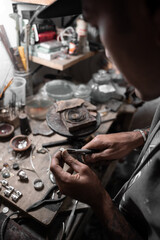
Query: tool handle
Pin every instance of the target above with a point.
(82, 151)
(71, 218)
(55, 144)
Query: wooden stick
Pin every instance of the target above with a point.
(5, 88)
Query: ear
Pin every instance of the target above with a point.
(156, 18)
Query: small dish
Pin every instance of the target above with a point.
(20, 143)
(60, 89)
(6, 130)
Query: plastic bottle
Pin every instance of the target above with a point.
(73, 45)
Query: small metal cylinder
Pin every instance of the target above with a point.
(24, 124)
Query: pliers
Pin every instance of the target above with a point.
(79, 151)
(47, 199)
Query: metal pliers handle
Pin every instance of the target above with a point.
(44, 200)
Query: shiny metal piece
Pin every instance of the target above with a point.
(42, 150)
(7, 193)
(15, 166)
(6, 175)
(10, 188)
(16, 196)
(5, 172)
(38, 184)
(5, 210)
(51, 177)
(22, 175)
(4, 183)
(18, 193)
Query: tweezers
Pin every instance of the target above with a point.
(81, 151)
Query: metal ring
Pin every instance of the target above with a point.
(38, 184)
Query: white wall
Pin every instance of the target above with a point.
(6, 68)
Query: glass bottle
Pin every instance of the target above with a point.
(101, 87)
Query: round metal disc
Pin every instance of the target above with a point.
(38, 184)
(5, 210)
(55, 123)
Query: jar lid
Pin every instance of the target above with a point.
(101, 77)
(82, 91)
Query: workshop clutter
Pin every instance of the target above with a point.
(21, 81)
(59, 43)
(17, 90)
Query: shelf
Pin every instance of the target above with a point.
(61, 64)
(40, 2)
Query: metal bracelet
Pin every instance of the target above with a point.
(142, 133)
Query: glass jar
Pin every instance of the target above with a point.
(37, 106)
(101, 87)
(83, 91)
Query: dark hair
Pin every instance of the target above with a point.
(153, 5)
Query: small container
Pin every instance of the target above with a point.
(6, 130)
(16, 92)
(38, 106)
(24, 124)
(73, 45)
(60, 89)
(84, 92)
(101, 87)
(28, 77)
(20, 143)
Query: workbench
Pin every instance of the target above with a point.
(46, 222)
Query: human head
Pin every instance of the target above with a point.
(130, 33)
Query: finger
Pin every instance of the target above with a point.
(100, 156)
(90, 145)
(72, 162)
(58, 171)
(93, 144)
(59, 157)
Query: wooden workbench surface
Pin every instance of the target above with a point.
(41, 163)
(44, 215)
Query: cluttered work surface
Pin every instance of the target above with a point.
(35, 163)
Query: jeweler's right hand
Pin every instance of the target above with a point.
(84, 185)
(113, 146)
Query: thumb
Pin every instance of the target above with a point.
(72, 162)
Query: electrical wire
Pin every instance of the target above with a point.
(4, 224)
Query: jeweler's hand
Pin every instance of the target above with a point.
(84, 185)
(113, 146)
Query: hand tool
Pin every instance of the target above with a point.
(80, 151)
(68, 226)
(49, 198)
